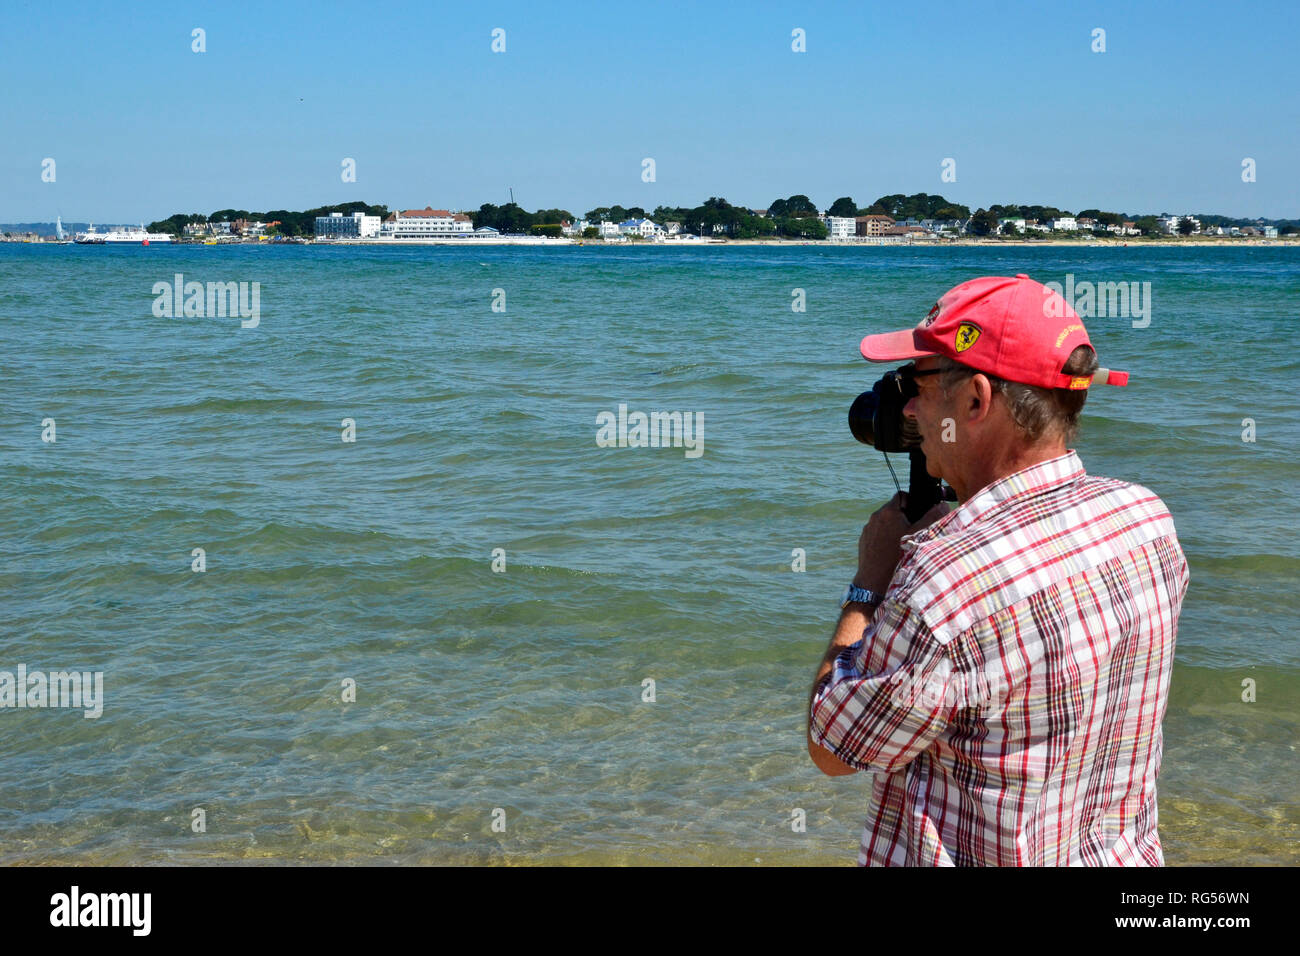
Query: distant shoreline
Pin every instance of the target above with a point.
(534, 241)
(820, 243)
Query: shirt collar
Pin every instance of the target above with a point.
(1034, 480)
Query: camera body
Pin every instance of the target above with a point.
(876, 418)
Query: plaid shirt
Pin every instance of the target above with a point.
(1010, 689)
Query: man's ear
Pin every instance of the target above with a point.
(981, 398)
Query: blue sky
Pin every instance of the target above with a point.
(140, 126)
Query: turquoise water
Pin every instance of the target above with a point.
(475, 430)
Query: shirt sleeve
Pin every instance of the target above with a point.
(887, 696)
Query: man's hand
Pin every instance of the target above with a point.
(879, 546)
(879, 549)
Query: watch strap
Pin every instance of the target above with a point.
(854, 594)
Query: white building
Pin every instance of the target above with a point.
(608, 229)
(338, 226)
(426, 223)
(574, 228)
(1017, 224)
(1270, 232)
(1172, 224)
(1064, 224)
(841, 227)
(640, 227)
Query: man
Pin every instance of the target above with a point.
(1003, 668)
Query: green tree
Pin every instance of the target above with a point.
(984, 222)
(844, 206)
(807, 227)
(1185, 226)
(800, 206)
(1147, 225)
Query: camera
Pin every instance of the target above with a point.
(876, 418)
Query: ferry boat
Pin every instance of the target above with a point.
(132, 234)
(123, 235)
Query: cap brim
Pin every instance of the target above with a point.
(892, 347)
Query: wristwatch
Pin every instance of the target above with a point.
(855, 594)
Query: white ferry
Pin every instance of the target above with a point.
(122, 235)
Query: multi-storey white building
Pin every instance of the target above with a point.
(841, 227)
(338, 226)
(426, 223)
(1171, 224)
(1064, 224)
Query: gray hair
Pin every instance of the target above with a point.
(1035, 411)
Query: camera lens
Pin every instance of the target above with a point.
(862, 415)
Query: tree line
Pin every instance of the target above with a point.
(794, 217)
(291, 223)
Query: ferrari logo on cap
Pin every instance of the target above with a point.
(967, 335)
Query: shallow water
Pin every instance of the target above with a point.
(475, 430)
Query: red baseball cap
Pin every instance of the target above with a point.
(1016, 329)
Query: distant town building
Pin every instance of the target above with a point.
(607, 229)
(640, 227)
(1017, 224)
(1172, 224)
(840, 227)
(1063, 224)
(1270, 232)
(906, 232)
(872, 225)
(338, 226)
(426, 223)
